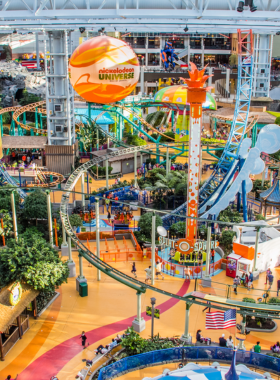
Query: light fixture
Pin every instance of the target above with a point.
(277, 33)
(82, 29)
(247, 3)
(14, 31)
(186, 29)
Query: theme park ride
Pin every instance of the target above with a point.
(237, 134)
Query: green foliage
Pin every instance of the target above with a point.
(134, 344)
(135, 140)
(226, 240)
(75, 220)
(228, 215)
(5, 198)
(6, 130)
(26, 99)
(35, 205)
(7, 223)
(178, 229)
(250, 300)
(151, 161)
(274, 300)
(277, 120)
(156, 118)
(42, 300)
(257, 185)
(259, 217)
(30, 232)
(88, 135)
(205, 141)
(151, 175)
(101, 170)
(233, 60)
(34, 262)
(145, 224)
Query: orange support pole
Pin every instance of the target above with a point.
(3, 237)
(55, 232)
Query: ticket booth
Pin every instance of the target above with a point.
(237, 265)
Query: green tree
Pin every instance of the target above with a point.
(34, 262)
(228, 215)
(226, 241)
(35, 205)
(135, 140)
(233, 60)
(75, 220)
(28, 98)
(7, 223)
(145, 224)
(277, 120)
(5, 198)
(257, 185)
(178, 229)
(6, 119)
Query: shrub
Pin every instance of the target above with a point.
(259, 217)
(178, 229)
(135, 140)
(250, 300)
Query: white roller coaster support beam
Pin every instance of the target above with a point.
(83, 189)
(49, 217)
(14, 215)
(135, 169)
(97, 216)
(153, 248)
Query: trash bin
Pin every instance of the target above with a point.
(83, 289)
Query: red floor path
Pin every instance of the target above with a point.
(54, 360)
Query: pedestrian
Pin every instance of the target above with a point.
(9, 377)
(230, 342)
(251, 279)
(107, 202)
(212, 255)
(246, 280)
(84, 339)
(109, 216)
(278, 287)
(158, 269)
(257, 348)
(133, 270)
(267, 273)
(236, 282)
(148, 274)
(207, 307)
(270, 279)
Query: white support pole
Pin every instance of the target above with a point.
(202, 51)
(83, 189)
(206, 279)
(135, 169)
(227, 79)
(186, 336)
(81, 275)
(210, 79)
(97, 236)
(64, 245)
(142, 79)
(256, 249)
(107, 174)
(153, 248)
(49, 216)
(14, 215)
(139, 323)
(37, 51)
(71, 264)
(70, 250)
(167, 161)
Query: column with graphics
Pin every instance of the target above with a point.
(196, 96)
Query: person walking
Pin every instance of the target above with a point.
(270, 278)
(133, 270)
(236, 282)
(148, 274)
(159, 269)
(212, 255)
(278, 287)
(84, 339)
(267, 273)
(107, 202)
(109, 217)
(257, 348)
(251, 279)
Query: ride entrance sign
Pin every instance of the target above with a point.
(185, 245)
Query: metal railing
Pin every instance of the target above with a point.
(178, 354)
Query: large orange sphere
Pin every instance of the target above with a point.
(103, 70)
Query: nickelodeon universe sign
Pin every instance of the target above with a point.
(185, 246)
(116, 74)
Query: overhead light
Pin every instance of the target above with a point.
(277, 33)
(115, 28)
(240, 7)
(82, 29)
(186, 29)
(14, 31)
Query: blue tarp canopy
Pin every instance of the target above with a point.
(103, 120)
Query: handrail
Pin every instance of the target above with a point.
(192, 354)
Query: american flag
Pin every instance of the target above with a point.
(221, 320)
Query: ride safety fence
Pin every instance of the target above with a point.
(196, 354)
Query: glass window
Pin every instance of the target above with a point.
(177, 42)
(153, 42)
(135, 42)
(153, 59)
(141, 59)
(195, 42)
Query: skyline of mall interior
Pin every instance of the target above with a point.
(139, 189)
